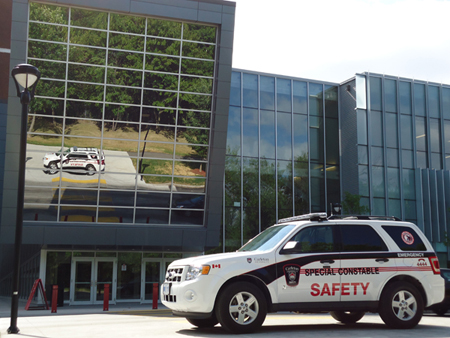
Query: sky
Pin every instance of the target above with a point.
(331, 40)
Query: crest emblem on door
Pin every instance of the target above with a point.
(292, 274)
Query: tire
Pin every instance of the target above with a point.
(203, 323)
(53, 167)
(347, 317)
(241, 308)
(401, 305)
(90, 169)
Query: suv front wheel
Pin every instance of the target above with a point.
(401, 305)
(241, 308)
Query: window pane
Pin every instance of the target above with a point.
(234, 131)
(267, 92)
(301, 188)
(317, 187)
(361, 119)
(447, 136)
(232, 181)
(406, 132)
(88, 37)
(284, 95)
(285, 205)
(168, 29)
(250, 90)
(390, 94)
(198, 50)
(196, 32)
(378, 181)
(251, 183)
(332, 141)
(363, 179)
(125, 60)
(435, 135)
(446, 102)
(126, 42)
(50, 51)
(377, 156)
(315, 99)
(421, 136)
(409, 189)
(407, 159)
(405, 97)
(235, 92)
(376, 122)
(55, 14)
(92, 56)
(250, 132)
(300, 138)
(316, 139)
(268, 193)
(392, 157)
(436, 161)
(375, 93)
(284, 136)
(391, 130)
(127, 23)
(362, 155)
(300, 99)
(433, 101)
(90, 19)
(331, 101)
(85, 73)
(393, 183)
(42, 31)
(419, 99)
(163, 64)
(267, 134)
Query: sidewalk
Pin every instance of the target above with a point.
(127, 307)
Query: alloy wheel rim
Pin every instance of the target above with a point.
(404, 305)
(244, 308)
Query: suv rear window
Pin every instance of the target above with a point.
(405, 237)
(361, 238)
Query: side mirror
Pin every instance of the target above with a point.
(291, 247)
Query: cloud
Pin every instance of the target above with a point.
(332, 40)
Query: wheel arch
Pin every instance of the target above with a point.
(408, 279)
(250, 279)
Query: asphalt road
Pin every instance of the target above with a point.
(157, 323)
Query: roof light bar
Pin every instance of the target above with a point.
(312, 216)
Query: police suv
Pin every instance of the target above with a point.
(75, 159)
(345, 265)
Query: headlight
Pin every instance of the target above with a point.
(195, 271)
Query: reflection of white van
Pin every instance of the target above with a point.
(89, 159)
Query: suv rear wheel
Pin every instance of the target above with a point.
(347, 317)
(241, 308)
(401, 305)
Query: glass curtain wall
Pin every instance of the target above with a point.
(282, 153)
(119, 130)
(402, 130)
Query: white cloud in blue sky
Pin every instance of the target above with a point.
(331, 40)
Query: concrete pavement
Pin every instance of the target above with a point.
(135, 320)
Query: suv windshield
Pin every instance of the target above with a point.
(268, 238)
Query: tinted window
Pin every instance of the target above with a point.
(315, 239)
(405, 237)
(361, 238)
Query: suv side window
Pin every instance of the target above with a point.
(315, 239)
(405, 237)
(361, 238)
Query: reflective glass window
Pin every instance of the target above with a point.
(392, 157)
(407, 159)
(235, 91)
(127, 23)
(332, 140)
(234, 131)
(250, 132)
(408, 184)
(363, 180)
(163, 28)
(331, 101)
(446, 103)
(376, 124)
(333, 184)
(317, 187)
(378, 181)
(405, 97)
(126, 42)
(250, 226)
(251, 183)
(316, 99)
(42, 31)
(377, 155)
(284, 95)
(316, 139)
(56, 14)
(447, 136)
(406, 130)
(250, 90)
(421, 134)
(267, 134)
(196, 32)
(362, 155)
(267, 92)
(395, 208)
(285, 206)
(435, 135)
(88, 37)
(391, 130)
(195, 67)
(49, 51)
(268, 192)
(301, 187)
(419, 99)
(436, 161)
(433, 101)
(390, 95)
(300, 138)
(233, 228)
(422, 160)
(197, 102)
(393, 182)
(90, 19)
(361, 120)
(410, 210)
(300, 97)
(284, 136)
(233, 181)
(375, 93)
(379, 206)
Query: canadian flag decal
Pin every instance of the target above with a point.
(216, 266)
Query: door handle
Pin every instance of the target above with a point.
(382, 260)
(327, 261)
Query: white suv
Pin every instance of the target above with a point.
(74, 158)
(343, 265)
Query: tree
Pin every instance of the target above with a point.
(351, 205)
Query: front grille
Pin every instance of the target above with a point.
(174, 275)
(170, 298)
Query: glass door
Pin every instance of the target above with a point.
(88, 278)
(151, 273)
(82, 279)
(105, 270)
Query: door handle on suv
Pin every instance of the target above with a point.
(327, 261)
(382, 260)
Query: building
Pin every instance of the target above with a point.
(145, 146)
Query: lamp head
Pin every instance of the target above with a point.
(27, 77)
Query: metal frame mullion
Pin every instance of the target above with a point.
(292, 148)
(324, 150)
(308, 132)
(369, 142)
(276, 147)
(400, 149)
(241, 205)
(385, 164)
(259, 151)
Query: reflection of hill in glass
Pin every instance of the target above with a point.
(127, 136)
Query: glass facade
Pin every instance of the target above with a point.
(282, 152)
(405, 128)
(120, 129)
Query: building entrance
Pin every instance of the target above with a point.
(88, 278)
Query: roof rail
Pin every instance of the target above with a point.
(316, 216)
(366, 217)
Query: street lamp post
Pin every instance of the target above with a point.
(27, 77)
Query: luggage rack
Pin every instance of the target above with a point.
(366, 217)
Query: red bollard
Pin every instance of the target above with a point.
(155, 295)
(106, 298)
(54, 298)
